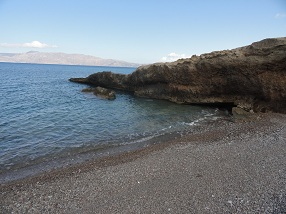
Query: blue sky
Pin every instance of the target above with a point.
(142, 31)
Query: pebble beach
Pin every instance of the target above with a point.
(235, 166)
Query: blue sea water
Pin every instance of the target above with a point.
(43, 116)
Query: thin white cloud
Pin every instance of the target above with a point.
(173, 57)
(280, 15)
(33, 44)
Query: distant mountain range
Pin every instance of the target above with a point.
(62, 58)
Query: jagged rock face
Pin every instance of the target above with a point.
(251, 77)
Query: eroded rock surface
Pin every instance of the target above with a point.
(101, 92)
(251, 77)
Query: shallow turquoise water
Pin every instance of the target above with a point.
(44, 116)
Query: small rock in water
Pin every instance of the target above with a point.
(101, 92)
(88, 90)
(104, 93)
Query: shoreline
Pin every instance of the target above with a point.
(114, 156)
(168, 165)
(96, 154)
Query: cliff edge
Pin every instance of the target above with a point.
(251, 77)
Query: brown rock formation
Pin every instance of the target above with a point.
(101, 92)
(251, 77)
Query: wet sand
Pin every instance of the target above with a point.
(220, 167)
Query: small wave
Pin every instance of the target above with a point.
(144, 139)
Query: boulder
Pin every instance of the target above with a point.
(79, 80)
(101, 92)
(251, 77)
(87, 90)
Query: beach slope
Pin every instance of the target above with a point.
(220, 167)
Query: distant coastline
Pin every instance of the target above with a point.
(103, 66)
(59, 58)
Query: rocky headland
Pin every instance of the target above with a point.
(252, 78)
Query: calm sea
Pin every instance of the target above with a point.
(46, 119)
